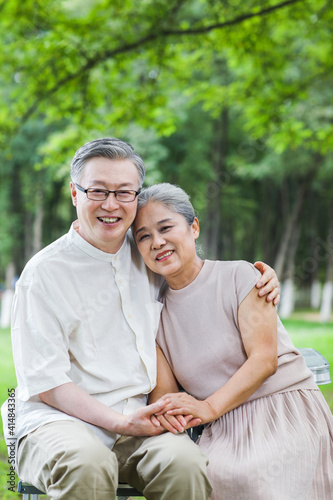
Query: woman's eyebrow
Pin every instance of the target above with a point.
(164, 220)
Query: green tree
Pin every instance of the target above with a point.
(30, 197)
(230, 100)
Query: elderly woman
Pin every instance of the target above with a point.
(268, 430)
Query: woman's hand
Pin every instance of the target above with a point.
(181, 403)
(177, 423)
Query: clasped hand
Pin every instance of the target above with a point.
(183, 411)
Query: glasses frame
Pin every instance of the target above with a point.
(107, 193)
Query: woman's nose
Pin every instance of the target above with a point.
(158, 241)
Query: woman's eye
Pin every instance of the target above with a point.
(165, 228)
(144, 236)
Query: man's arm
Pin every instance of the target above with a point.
(268, 283)
(74, 401)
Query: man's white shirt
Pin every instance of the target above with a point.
(84, 316)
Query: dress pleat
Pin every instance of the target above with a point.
(278, 447)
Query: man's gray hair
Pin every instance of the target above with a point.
(173, 197)
(109, 147)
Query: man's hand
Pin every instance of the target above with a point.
(268, 283)
(73, 400)
(143, 422)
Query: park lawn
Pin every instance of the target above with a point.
(7, 381)
(303, 333)
(317, 335)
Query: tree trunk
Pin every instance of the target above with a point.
(37, 241)
(315, 294)
(326, 303)
(7, 296)
(28, 236)
(288, 289)
(212, 228)
(313, 267)
(291, 223)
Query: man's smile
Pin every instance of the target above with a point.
(108, 220)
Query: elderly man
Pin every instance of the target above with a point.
(83, 328)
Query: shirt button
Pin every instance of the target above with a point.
(129, 316)
(115, 259)
(120, 280)
(141, 347)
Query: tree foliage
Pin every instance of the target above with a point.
(106, 63)
(232, 100)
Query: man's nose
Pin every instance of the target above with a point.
(111, 202)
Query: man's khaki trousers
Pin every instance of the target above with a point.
(68, 461)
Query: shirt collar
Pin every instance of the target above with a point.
(89, 249)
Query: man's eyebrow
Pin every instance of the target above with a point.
(159, 222)
(123, 184)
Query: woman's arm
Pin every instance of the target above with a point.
(258, 326)
(167, 383)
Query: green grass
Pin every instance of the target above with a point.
(7, 381)
(317, 335)
(303, 328)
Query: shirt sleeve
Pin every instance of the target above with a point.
(40, 343)
(246, 276)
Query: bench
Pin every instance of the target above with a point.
(319, 366)
(29, 492)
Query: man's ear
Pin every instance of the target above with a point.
(73, 193)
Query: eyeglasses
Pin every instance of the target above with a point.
(96, 194)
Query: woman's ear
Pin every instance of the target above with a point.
(195, 228)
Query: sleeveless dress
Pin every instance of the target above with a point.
(278, 445)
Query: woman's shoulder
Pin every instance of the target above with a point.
(236, 277)
(232, 267)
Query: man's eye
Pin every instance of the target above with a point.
(97, 191)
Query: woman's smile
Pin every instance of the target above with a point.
(164, 255)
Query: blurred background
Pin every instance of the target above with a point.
(231, 100)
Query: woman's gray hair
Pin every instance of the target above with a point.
(109, 147)
(173, 197)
